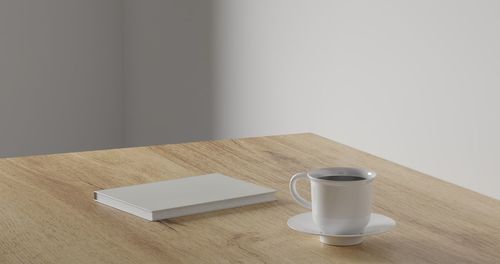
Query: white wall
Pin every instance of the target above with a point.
(60, 76)
(167, 71)
(415, 82)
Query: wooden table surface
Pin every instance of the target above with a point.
(47, 212)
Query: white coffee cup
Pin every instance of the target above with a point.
(341, 198)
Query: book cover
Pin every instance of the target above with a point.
(184, 196)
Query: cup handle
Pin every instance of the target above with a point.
(293, 189)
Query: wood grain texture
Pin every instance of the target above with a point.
(47, 214)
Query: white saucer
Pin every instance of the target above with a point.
(378, 224)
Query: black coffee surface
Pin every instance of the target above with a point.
(342, 178)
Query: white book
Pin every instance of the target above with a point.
(185, 196)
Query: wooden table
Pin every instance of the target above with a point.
(47, 214)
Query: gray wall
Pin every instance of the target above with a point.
(60, 76)
(415, 82)
(167, 71)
